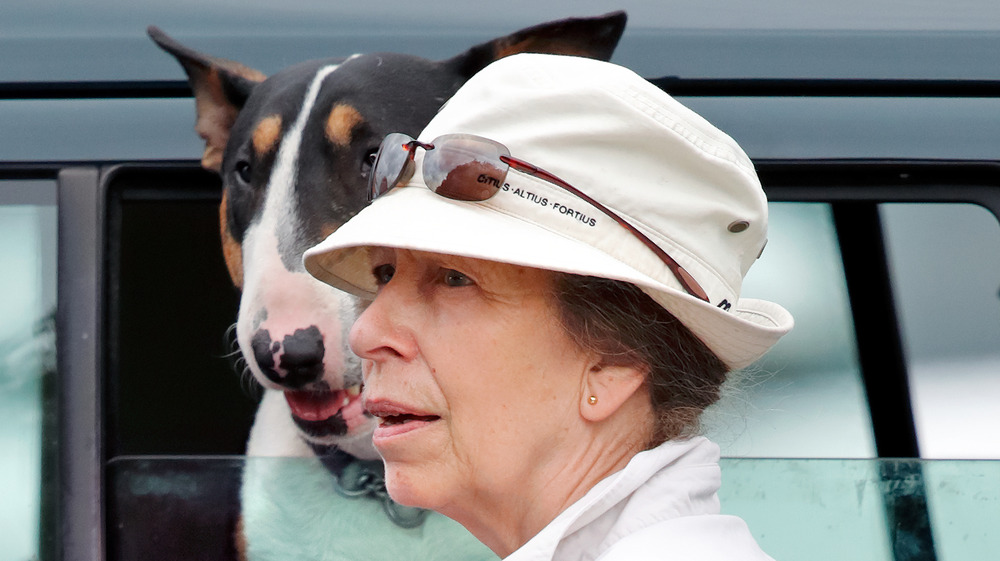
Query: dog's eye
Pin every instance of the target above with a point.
(368, 161)
(244, 171)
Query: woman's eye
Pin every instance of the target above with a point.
(244, 171)
(455, 278)
(383, 274)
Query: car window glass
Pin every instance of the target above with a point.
(27, 355)
(793, 505)
(805, 398)
(871, 510)
(185, 296)
(164, 508)
(945, 265)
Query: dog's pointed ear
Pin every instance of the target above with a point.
(220, 87)
(594, 37)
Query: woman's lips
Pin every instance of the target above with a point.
(320, 406)
(395, 419)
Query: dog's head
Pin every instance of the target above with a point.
(294, 151)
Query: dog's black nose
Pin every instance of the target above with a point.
(301, 361)
(303, 356)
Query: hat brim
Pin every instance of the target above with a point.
(415, 218)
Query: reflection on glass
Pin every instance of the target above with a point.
(963, 499)
(816, 509)
(805, 398)
(27, 354)
(810, 509)
(273, 508)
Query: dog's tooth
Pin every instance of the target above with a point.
(347, 401)
(354, 391)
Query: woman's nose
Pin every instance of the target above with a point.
(383, 330)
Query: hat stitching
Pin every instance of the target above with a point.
(735, 344)
(722, 148)
(759, 314)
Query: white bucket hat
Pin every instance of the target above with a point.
(625, 143)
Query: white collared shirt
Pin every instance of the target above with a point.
(663, 505)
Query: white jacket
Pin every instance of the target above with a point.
(662, 506)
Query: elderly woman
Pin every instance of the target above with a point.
(555, 268)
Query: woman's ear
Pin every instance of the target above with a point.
(607, 388)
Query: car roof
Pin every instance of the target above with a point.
(104, 40)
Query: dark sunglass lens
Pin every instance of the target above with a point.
(465, 168)
(389, 164)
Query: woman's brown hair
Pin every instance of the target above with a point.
(624, 326)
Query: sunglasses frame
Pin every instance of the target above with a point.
(406, 172)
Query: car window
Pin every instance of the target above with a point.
(946, 279)
(865, 510)
(860, 509)
(184, 297)
(793, 506)
(27, 355)
(963, 501)
(805, 398)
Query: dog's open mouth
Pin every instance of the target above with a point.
(327, 413)
(320, 406)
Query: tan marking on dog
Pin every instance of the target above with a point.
(240, 539)
(328, 229)
(341, 123)
(538, 45)
(232, 251)
(266, 135)
(216, 114)
(241, 70)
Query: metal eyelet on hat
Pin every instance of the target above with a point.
(739, 226)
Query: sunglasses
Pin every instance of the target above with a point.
(465, 167)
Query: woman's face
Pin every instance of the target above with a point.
(476, 384)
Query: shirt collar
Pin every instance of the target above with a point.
(674, 479)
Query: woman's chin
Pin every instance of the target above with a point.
(409, 489)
